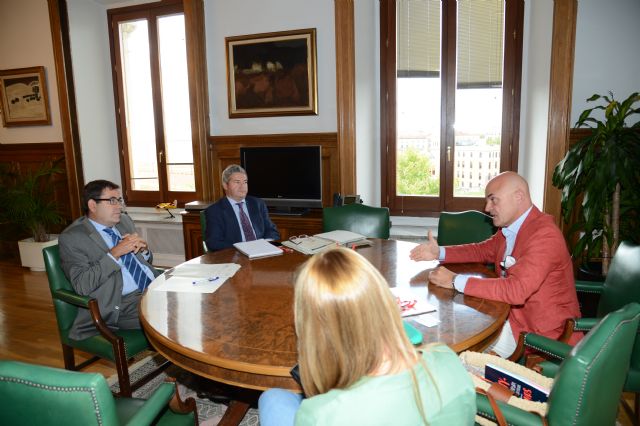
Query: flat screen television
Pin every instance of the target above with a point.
(287, 178)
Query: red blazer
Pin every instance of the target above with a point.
(539, 287)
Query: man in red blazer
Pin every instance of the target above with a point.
(536, 273)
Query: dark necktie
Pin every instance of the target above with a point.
(249, 235)
(131, 263)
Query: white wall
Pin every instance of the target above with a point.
(607, 52)
(25, 41)
(605, 59)
(367, 36)
(534, 111)
(243, 17)
(94, 90)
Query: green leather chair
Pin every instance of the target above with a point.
(589, 382)
(369, 221)
(465, 227)
(38, 395)
(203, 230)
(118, 346)
(621, 286)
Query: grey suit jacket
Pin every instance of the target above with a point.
(85, 261)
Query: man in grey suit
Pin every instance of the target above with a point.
(104, 258)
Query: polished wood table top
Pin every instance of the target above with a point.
(243, 334)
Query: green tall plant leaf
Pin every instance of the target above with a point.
(592, 168)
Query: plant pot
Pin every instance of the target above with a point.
(31, 252)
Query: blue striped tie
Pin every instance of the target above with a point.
(131, 263)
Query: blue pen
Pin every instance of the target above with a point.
(205, 280)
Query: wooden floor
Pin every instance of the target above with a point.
(28, 330)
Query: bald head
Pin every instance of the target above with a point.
(507, 198)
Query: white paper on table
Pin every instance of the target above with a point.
(202, 270)
(195, 278)
(428, 320)
(186, 285)
(410, 303)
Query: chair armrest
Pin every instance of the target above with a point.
(152, 407)
(589, 286)
(92, 305)
(586, 324)
(73, 298)
(513, 415)
(547, 346)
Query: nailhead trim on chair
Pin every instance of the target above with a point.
(543, 350)
(59, 389)
(489, 416)
(594, 360)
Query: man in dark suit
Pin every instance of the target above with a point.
(104, 258)
(238, 216)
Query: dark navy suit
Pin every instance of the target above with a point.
(223, 229)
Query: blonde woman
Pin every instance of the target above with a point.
(356, 364)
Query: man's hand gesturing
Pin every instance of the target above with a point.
(426, 251)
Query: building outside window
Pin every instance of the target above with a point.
(450, 74)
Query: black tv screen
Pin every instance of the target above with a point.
(286, 178)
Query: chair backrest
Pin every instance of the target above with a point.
(622, 284)
(465, 227)
(589, 382)
(369, 221)
(65, 312)
(34, 394)
(203, 230)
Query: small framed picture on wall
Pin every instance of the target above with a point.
(24, 97)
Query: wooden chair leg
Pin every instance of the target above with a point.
(122, 368)
(69, 359)
(633, 414)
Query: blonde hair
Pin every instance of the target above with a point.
(347, 322)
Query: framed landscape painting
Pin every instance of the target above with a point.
(24, 97)
(272, 74)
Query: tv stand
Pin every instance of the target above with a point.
(288, 211)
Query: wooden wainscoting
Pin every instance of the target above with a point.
(225, 150)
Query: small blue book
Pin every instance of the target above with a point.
(521, 387)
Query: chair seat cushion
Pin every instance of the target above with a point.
(134, 343)
(549, 368)
(126, 408)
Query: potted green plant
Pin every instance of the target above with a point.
(28, 205)
(600, 178)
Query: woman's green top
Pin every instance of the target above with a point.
(446, 391)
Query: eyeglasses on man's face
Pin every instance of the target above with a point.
(114, 201)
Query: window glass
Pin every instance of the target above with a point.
(136, 76)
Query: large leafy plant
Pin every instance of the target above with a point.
(600, 178)
(27, 200)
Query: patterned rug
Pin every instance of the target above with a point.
(189, 385)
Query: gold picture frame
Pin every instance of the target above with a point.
(272, 74)
(25, 101)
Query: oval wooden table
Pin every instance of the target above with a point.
(243, 334)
